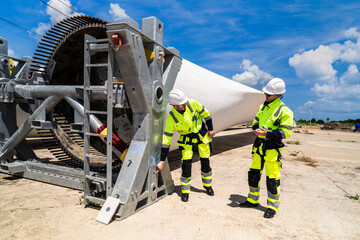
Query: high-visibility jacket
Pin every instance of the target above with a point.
(191, 121)
(276, 118)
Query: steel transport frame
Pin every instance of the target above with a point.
(144, 88)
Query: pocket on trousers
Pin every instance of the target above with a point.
(271, 155)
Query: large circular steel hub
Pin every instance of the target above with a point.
(59, 59)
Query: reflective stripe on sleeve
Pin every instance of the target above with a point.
(208, 118)
(286, 126)
(168, 134)
(165, 146)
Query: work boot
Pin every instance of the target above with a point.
(185, 197)
(209, 191)
(269, 213)
(248, 204)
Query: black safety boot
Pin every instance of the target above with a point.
(269, 213)
(248, 204)
(209, 191)
(185, 197)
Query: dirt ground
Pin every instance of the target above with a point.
(318, 192)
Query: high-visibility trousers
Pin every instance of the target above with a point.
(186, 163)
(272, 162)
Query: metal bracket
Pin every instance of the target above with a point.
(108, 210)
(40, 124)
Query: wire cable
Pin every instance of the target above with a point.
(54, 8)
(20, 27)
(70, 7)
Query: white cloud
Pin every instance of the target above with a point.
(252, 75)
(352, 33)
(351, 53)
(316, 66)
(11, 53)
(352, 75)
(116, 11)
(306, 107)
(338, 90)
(324, 105)
(323, 90)
(58, 10)
(42, 28)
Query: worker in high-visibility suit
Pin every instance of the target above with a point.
(272, 123)
(187, 117)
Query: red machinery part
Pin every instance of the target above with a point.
(116, 39)
(116, 141)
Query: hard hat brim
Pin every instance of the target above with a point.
(179, 103)
(184, 101)
(271, 93)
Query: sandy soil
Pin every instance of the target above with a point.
(316, 198)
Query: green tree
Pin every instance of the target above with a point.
(320, 121)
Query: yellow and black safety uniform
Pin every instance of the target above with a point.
(277, 119)
(193, 135)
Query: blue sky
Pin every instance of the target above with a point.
(313, 45)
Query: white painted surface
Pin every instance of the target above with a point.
(230, 103)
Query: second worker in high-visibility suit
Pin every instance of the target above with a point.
(187, 117)
(272, 123)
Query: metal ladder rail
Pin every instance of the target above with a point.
(88, 88)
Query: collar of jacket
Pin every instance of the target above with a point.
(273, 103)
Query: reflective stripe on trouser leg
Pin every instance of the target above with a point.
(254, 177)
(273, 201)
(185, 185)
(186, 161)
(186, 175)
(272, 170)
(206, 179)
(254, 194)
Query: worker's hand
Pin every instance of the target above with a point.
(159, 166)
(211, 134)
(260, 132)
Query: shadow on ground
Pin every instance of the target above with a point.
(177, 190)
(237, 199)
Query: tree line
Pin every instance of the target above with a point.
(313, 121)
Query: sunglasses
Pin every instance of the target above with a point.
(268, 95)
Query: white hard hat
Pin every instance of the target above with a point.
(177, 97)
(275, 86)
